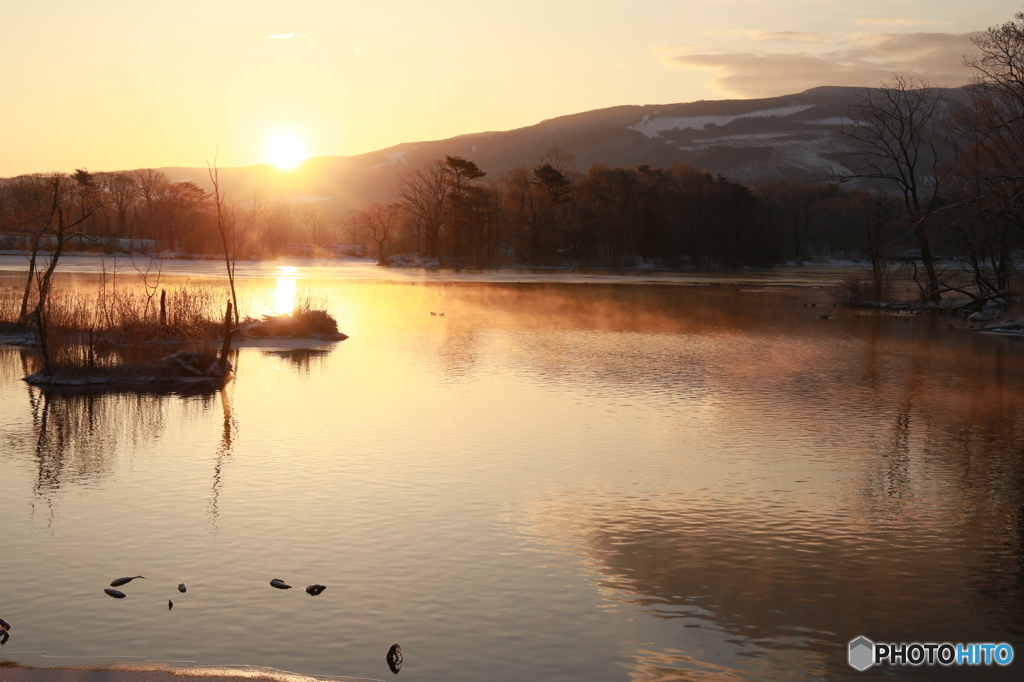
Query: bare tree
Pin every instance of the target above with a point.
(226, 228)
(149, 286)
(424, 194)
(278, 225)
(57, 225)
(148, 186)
(520, 203)
(314, 219)
(121, 190)
(895, 138)
(990, 170)
(251, 217)
(27, 207)
(377, 222)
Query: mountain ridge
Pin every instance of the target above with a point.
(785, 138)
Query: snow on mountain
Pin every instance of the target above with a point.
(653, 125)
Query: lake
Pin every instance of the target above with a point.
(567, 476)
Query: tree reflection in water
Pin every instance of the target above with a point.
(302, 359)
(77, 432)
(229, 433)
(908, 512)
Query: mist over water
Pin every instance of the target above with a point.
(553, 481)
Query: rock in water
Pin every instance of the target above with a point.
(116, 594)
(280, 584)
(124, 581)
(4, 625)
(315, 589)
(394, 658)
(181, 587)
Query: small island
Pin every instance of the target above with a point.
(124, 339)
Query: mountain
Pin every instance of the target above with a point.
(753, 141)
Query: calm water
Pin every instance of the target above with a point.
(553, 481)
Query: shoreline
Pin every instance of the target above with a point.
(361, 270)
(79, 261)
(13, 671)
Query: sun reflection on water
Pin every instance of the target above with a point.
(284, 293)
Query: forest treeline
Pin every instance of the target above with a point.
(147, 212)
(921, 181)
(548, 215)
(452, 211)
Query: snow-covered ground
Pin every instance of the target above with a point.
(1014, 326)
(412, 260)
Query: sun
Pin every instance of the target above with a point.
(285, 151)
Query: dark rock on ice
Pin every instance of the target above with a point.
(394, 658)
(124, 581)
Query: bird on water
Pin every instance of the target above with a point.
(280, 584)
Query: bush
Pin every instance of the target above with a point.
(300, 323)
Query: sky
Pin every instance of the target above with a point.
(119, 84)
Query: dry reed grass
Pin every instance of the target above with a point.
(124, 327)
(120, 331)
(10, 306)
(308, 319)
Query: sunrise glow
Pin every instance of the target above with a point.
(286, 151)
(284, 292)
(635, 341)
(352, 79)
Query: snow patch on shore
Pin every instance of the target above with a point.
(412, 260)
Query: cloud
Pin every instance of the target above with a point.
(777, 36)
(896, 22)
(860, 60)
(287, 36)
